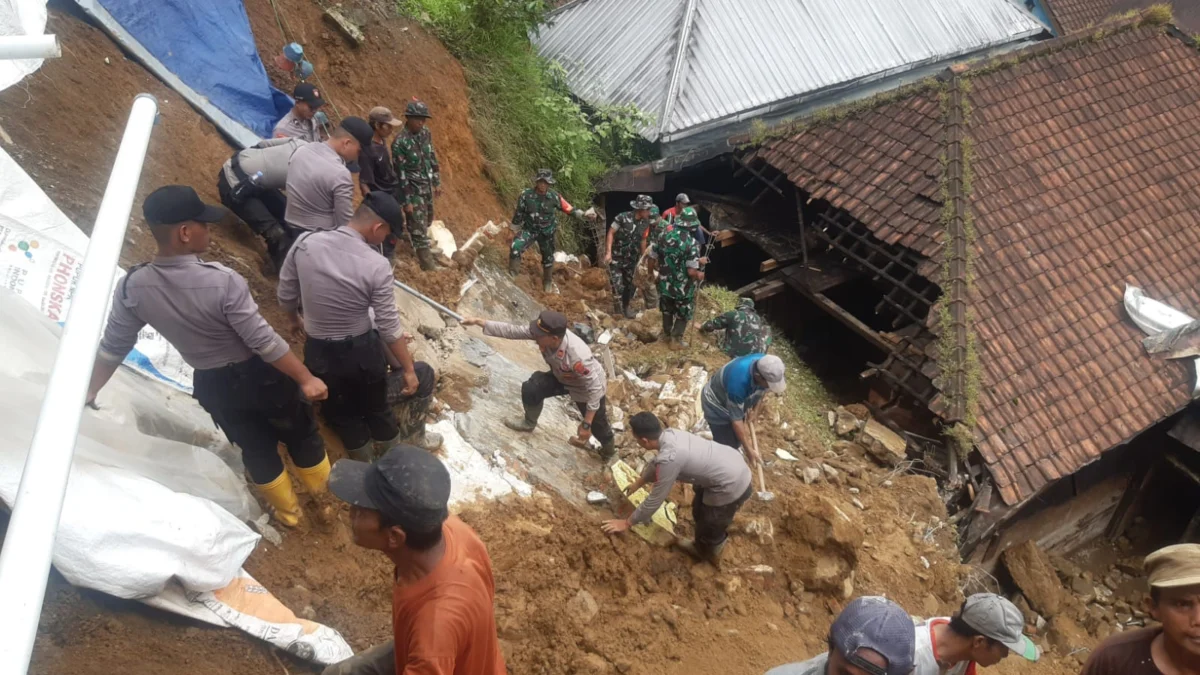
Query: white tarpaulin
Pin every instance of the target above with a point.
(20, 17)
(1155, 317)
(153, 511)
(41, 254)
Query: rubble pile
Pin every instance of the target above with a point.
(1071, 607)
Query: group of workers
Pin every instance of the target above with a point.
(336, 285)
(315, 164)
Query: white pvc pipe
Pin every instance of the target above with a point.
(25, 559)
(29, 47)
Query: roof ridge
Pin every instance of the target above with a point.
(1150, 16)
(684, 36)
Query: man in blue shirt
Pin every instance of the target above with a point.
(735, 390)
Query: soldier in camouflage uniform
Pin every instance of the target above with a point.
(417, 171)
(677, 255)
(535, 221)
(650, 284)
(625, 245)
(745, 331)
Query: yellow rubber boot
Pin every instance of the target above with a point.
(282, 498)
(315, 478)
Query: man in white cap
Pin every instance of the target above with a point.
(986, 628)
(1173, 647)
(734, 391)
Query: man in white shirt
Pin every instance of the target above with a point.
(986, 628)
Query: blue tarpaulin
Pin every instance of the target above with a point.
(208, 44)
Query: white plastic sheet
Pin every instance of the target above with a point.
(20, 17)
(41, 253)
(1154, 317)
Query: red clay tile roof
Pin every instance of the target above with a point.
(881, 165)
(1072, 16)
(1086, 176)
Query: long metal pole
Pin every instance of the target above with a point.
(427, 300)
(28, 546)
(29, 47)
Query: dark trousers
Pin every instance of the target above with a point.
(355, 371)
(712, 522)
(262, 210)
(724, 434)
(258, 408)
(543, 385)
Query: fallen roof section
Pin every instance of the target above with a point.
(699, 65)
(1083, 172)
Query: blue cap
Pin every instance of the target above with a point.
(880, 625)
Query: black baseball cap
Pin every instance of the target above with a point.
(307, 93)
(549, 323)
(174, 204)
(385, 206)
(359, 129)
(409, 486)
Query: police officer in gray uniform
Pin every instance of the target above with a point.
(245, 376)
(251, 184)
(319, 186)
(574, 372)
(339, 277)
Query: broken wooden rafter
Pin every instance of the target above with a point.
(767, 290)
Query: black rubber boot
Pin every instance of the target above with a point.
(618, 308)
(277, 246)
(425, 258)
(607, 450)
(668, 326)
(547, 279)
(514, 265)
(680, 328)
(527, 422)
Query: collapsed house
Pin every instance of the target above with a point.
(703, 69)
(977, 232)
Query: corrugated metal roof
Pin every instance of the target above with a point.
(740, 58)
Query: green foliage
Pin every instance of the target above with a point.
(524, 115)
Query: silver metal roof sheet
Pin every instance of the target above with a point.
(694, 64)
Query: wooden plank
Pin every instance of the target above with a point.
(823, 274)
(1183, 468)
(767, 290)
(768, 265)
(849, 320)
(1132, 495)
(734, 238)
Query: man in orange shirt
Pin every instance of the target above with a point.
(443, 620)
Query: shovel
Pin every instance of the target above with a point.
(763, 494)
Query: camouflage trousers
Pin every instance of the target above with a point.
(418, 221)
(680, 308)
(544, 240)
(649, 286)
(621, 275)
(411, 410)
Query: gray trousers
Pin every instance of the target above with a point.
(378, 660)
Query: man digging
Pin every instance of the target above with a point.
(717, 473)
(574, 372)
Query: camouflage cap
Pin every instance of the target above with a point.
(642, 202)
(655, 211)
(745, 303)
(416, 108)
(544, 175)
(688, 218)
